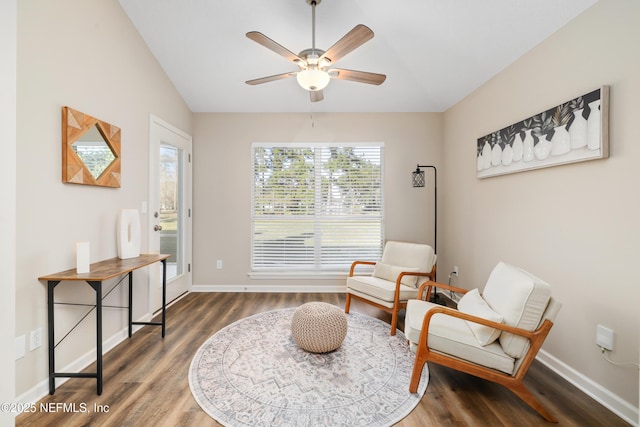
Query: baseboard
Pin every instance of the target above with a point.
(298, 287)
(605, 397)
(41, 389)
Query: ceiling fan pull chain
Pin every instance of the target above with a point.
(313, 25)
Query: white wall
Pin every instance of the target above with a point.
(575, 226)
(87, 55)
(222, 181)
(8, 35)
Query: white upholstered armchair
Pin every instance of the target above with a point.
(494, 336)
(395, 278)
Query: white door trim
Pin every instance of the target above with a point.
(156, 125)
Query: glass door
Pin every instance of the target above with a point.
(170, 207)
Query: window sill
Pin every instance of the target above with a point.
(298, 275)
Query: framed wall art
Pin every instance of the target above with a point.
(90, 150)
(574, 131)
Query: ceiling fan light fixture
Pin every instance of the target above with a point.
(313, 79)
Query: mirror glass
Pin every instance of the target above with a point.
(94, 151)
(90, 150)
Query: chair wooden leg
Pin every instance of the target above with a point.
(520, 390)
(418, 367)
(394, 322)
(347, 305)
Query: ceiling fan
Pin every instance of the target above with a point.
(314, 73)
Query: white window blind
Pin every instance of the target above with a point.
(316, 207)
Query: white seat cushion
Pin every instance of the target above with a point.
(452, 336)
(380, 289)
(521, 298)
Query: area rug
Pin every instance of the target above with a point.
(252, 373)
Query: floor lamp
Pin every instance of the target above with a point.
(418, 181)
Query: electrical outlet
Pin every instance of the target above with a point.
(35, 339)
(604, 337)
(219, 264)
(455, 270)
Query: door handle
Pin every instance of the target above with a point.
(157, 227)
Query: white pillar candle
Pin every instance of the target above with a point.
(82, 257)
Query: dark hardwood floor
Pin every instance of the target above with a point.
(146, 378)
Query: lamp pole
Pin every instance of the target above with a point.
(435, 197)
(418, 181)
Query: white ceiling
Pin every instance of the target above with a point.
(434, 52)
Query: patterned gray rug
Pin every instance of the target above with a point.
(251, 373)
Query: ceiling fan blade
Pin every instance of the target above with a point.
(357, 76)
(271, 78)
(349, 42)
(273, 46)
(316, 95)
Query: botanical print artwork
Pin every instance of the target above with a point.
(574, 131)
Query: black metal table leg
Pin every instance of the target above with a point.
(130, 302)
(97, 286)
(164, 295)
(51, 284)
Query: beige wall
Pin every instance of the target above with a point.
(87, 55)
(575, 226)
(8, 34)
(222, 180)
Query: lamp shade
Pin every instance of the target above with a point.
(418, 178)
(313, 79)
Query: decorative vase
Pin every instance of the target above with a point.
(578, 130)
(507, 155)
(486, 156)
(496, 155)
(542, 148)
(527, 146)
(518, 147)
(593, 126)
(560, 141)
(480, 163)
(128, 234)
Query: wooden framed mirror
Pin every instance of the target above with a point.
(90, 150)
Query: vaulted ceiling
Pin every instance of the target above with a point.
(433, 52)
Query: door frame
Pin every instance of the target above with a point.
(156, 125)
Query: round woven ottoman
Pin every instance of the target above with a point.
(318, 327)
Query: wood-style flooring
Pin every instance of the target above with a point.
(146, 378)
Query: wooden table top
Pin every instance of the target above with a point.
(107, 269)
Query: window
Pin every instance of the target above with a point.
(316, 207)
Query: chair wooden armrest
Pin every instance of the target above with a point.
(531, 335)
(356, 263)
(411, 273)
(431, 284)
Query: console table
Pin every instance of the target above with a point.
(99, 272)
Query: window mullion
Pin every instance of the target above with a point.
(317, 209)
